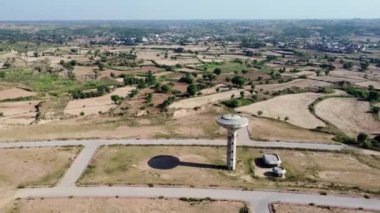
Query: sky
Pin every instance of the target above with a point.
(186, 9)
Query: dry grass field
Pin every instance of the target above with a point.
(274, 130)
(375, 84)
(91, 106)
(294, 208)
(32, 167)
(294, 107)
(108, 205)
(200, 124)
(20, 113)
(163, 165)
(192, 103)
(299, 83)
(349, 115)
(15, 93)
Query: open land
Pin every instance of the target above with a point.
(99, 205)
(294, 208)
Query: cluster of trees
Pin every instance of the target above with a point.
(149, 80)
(252, 43)
(369, 94)
(329, 67)
(362, 140)
(162, 88)
(238, 81)
(100, 90)
(117, 99)
(167, 102)
(68, 65)
(193, 89)
(188, 78)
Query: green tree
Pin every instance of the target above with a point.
(192, 89)
(217, 71)
(362, 138)
(239, 81)
(364, 66)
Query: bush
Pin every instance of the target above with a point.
(237, 102)
(192, 89)
(217, 71)
(238, 81)
(188, 78)
(244, 209)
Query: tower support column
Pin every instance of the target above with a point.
(231, 149)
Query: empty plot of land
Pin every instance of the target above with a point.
(338, 168)
(169, 165)
(273, 130)
(300, 83)
(348, 74)
(164, 165)
(375, 84)
(101, 205)
(294, 208)
(294, 107)
(32, 167)
(18, 112)
(15, 93)
(349, 115)
(95, 105)
(336, 79)
(192, 103)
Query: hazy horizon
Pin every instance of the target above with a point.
(153, 10)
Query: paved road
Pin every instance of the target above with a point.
(78, 166)
(259, 200)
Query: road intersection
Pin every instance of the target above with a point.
(258, 200)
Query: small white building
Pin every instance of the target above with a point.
(272, 159)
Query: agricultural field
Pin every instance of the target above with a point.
(291, 108)
(99, 205)
(350, 115)
(15, 93)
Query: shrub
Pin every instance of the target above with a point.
(192, 89)
(238, 81)
(244, 209)
(217, 71)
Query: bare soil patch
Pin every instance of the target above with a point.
(375, 84)
(297, 208)
(263, 129)
(350, 115)
(100, 205)
(20, 113)
(294, 107)
(15, 93)
(299, 83)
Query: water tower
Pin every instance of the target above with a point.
(232, 123)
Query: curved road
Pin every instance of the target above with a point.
(259, 200)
